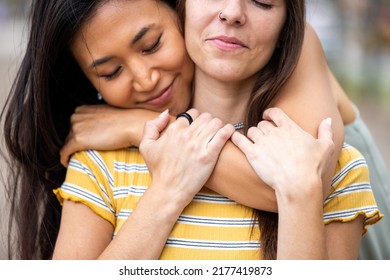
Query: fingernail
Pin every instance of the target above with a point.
(163, 114)
(328, 121)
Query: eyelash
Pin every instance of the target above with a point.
(113, 75)
(154, 47)
(262, 5)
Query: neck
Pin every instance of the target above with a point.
(224, 100)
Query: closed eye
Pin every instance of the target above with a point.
(154, 47)
(112, 75)
(263, 5)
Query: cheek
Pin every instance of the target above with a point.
(174, 58)
(267, 40)
(115, 92)
(194, 50)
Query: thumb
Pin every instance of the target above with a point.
(154, 127)
(325, 130)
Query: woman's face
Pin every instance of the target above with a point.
(231, 40)
(134, 55)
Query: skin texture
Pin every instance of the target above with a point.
(153, 199)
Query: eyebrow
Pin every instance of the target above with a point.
(136, 38)
(100, 61)
(141, 33)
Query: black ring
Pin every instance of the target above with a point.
(186, 115)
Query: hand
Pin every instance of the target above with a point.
(182, 158)
(102, 127)
(282, 154)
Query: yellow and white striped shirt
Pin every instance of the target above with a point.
(211, 226)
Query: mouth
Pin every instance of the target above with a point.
(228, 43)
(160, 98)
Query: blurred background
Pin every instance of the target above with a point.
(355, 35)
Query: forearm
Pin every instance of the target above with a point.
(137, 119)
(234, 178)
(301, 233)
(147, 227)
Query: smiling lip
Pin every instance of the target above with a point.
(161, 98)
(228, 43)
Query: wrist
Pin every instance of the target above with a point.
(299, 191)
(169, 202)
(135, 125)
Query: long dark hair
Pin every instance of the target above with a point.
(269, 81)
(49, 85)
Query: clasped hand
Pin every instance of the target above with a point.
(181, 157)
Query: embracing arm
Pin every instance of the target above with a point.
(275, 149)
(306, 98)
(86, 235)
(93, 127)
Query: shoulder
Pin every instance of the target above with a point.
(311, 41)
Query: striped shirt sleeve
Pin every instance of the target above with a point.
(351, 194)
(89, 181)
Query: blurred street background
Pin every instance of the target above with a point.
(355, 35)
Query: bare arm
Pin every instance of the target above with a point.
(306, 93)
(93, 127)
(85, 235)
(276, 148)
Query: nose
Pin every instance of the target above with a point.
(233, 12)
(144, 77)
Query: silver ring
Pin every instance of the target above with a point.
(220, 16)
(185, 115)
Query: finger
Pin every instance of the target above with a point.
(255, 134)
(64, 158)
(85, 109)
(276, 115)
(81, 109)
(266, 126)
(325, 135)
(192, 114)
(205, 125)
(66, 151)
(219, 140)
(154, 127)
(325, 130)
(242, 142)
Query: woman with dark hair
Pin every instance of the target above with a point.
(51, 129)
